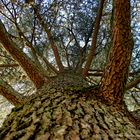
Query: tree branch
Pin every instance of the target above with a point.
(10, 94)
(34, 51)
(133, 83)
(32, 70)
(65, 47)
(8, 65)
(50, 37)
(48, 63)
(94, 39)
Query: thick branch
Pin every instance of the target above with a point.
(32, 70)
(94, 39)
(10, 94)
(113, 82)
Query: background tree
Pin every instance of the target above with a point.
(55, 43)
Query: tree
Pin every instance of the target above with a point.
(66, 105)
(122, 46)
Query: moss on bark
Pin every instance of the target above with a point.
(60, 114)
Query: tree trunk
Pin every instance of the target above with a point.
(67, 110)
(116, 73)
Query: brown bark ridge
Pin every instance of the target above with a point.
(64, 111)
(10, 94)
(94, 39)
(33, 71)
(116, 72)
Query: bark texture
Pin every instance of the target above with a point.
(67, 110)
(116, 73)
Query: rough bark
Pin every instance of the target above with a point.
(33, 71)
(67, 110)
(116, 72)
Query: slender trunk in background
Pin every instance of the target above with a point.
(115, 76)
(52, 42)
(94, 39)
